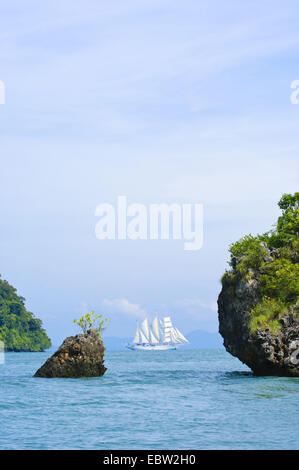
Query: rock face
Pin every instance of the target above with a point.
(264, 352)
(78, 356)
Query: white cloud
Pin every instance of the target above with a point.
(126, 307)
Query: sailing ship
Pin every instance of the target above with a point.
(159, 336)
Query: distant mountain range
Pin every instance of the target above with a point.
(198, 340)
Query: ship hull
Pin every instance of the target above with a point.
(149, 347)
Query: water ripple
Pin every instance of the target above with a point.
(167, 400)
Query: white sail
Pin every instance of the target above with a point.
(143, 338)
(137, 335)
(144, 328)
(173, 337)
(153, 338)
(167, 327)
(155, 328)
(161, 335)
(180, 336)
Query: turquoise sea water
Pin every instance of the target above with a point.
(201, 399)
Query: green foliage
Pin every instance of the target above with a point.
(92, 321)
(250, 252)
(280, 280)
(19, 329)
(229, 277)
(273, 259)
(243, 246)
(266, 314)
(289, 201)
(287, 227)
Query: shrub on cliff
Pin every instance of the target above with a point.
(272, 259)
(19, 329)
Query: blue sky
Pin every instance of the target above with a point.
(161, 101)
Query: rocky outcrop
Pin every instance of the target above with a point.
(78, 356)
(263, 351)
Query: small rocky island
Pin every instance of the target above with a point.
(78, 356)
(258, 305)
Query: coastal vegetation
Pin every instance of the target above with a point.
(20, 330)
(272, 260)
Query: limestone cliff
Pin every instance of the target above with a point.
(258, 305)
(265, 352)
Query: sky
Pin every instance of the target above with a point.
(161, 101)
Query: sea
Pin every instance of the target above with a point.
(183, 399)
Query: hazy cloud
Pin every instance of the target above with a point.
(125, 307)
